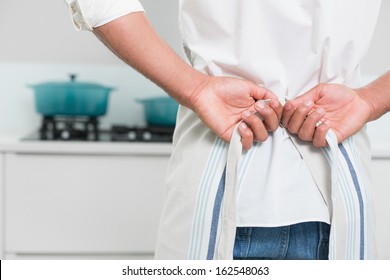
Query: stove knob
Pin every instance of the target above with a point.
(65, 134)
(147, 136)
(132, 135)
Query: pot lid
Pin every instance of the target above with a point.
(71, 84)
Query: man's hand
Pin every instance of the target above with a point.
(222, 102)
(324, 107)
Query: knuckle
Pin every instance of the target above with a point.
(246, 142)
(302, 110)
(292, 129)
(264, 137)
(254, 119)
(265, 112)
(303, 136)
(318, 144)
(319, 141)
(287, 114)
(322, 129)
(285, 121)
(245, 145)
(261, 136)
(247, 134)
(273, 126)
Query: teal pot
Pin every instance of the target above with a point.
(71, 98)
(160, 111)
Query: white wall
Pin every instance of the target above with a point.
(375, 63)
(378, 57)
(40, 31)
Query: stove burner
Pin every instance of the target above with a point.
(142, 134)
(69, 128)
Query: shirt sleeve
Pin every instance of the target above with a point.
(88, 14)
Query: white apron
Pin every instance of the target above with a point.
(351, 234)
(198, 219)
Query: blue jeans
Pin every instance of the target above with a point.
(304, 241)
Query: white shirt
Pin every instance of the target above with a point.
(88, 14)
(289, 47)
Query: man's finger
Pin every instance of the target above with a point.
(288, 112)
(320, 135)
(261, 93)
(313, 94)
(308, 128)
(246, 136)
(299, 116)
(268, 115)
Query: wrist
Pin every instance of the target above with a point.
(377, 96)
(365, 93)
(189, 85)
(199, 84)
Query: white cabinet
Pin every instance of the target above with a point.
(82, 206)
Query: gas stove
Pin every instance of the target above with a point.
(141, 134)
(87, 129)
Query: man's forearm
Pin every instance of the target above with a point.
(377, 94)
(132, 38)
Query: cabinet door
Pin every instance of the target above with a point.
(381, 181)
(83, 204)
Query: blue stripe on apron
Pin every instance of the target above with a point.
(215, 218)
(359, 195)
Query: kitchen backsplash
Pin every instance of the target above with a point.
(17, 108)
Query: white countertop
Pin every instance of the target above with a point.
(10, 142)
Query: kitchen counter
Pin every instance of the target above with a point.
(10, 142)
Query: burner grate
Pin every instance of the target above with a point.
(69, 128)
(142, 134)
